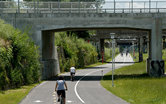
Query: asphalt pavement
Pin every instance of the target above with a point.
(86, 88)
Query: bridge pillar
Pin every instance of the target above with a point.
(155, 60)
(140, 49)
(49, 55)
(102, 48)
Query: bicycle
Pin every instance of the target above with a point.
(72, 77)
(61, 99)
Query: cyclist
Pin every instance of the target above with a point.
(72, 72)
(60, 89)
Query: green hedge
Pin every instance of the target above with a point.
(74, 51)
(19, 58)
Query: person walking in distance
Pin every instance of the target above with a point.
(72, 72)
(60, 88)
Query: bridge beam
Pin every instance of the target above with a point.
(156, 62)
(49, 55)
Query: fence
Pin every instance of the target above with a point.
(84, 7)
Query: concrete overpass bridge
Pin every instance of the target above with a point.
(44, 21)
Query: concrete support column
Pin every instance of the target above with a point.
(102, 48)
(156, 62)
(49, 56)
(140, 49)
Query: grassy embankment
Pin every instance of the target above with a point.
(14, 96)
(135, 86)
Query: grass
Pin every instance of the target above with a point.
(14, 96)
(135, 86)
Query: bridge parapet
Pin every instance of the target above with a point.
(84, 7)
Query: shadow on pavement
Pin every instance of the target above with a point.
(95, 67)
(136, 76)
(106, 77)
(76, 78)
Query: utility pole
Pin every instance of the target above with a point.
(114, 6)
(113, 57)
(149, 6)
(131, 6)
(18, 6)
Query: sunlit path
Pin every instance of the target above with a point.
(124, 58)
(86, 88)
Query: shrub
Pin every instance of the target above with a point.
(108, 53)
(4, 81)
(20, 57)
(16, 78)
(74, 51)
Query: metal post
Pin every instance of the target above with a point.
(133, 49)
(114, 6)
(18, 6)
(34, 6)
(58, 5)
(79, 5)
(149, 6)
(37, 6)
(144, 7)
(113, 57)
(131, 6)
(112, 65)
(156, 5)
(114, 53)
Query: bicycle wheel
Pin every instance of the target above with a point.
(72, 77)
(62, 100)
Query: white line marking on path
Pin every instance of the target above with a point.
(69, 101)
(75, 87)
(38, 101)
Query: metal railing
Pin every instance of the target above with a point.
(83, 7)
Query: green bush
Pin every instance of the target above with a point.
(74, 51)
(16, 78)
(20, 58)
(4, 81)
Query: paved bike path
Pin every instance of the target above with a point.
(85, 90)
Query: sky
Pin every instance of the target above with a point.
(136, 4)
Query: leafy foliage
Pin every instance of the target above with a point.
(19, 58)
(80, 34)
(74, 51)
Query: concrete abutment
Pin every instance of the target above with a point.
(155, 62)
(49, 55)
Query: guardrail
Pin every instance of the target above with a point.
(84, 7)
